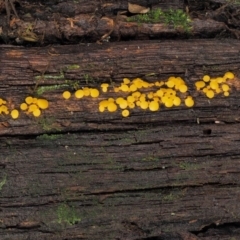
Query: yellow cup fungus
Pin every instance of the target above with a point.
(29, 100)
(37, 112)
(112, 107)
(66, 95)
(228, 75)
(125, 113)
(183, 88)
(14, 114)
(189, 101)
(94, 93)
(153, 106)
(86, 91)
(206, 78)
(79, 93)
(210, 93)
(42, 103)
(104, 87)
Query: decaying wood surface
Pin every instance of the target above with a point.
(172, 174)
(75, 173)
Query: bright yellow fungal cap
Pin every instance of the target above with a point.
(200, 84)
(66, 95)
(214, 84)
(183, 88)
(79, 93)
(131, 99)
(111, 99)
(136, 94)
(143, 105)
(116, 89)
(150, 95)
(94, 92)
(189, 101)
(23, 106)
(104, 103)
(119, 100)
(101, 108)
(226, 94)
(131, 105)
(168, 103)
(32, 107)
(37, 112)
(229, 75)
(125, 113)
(112, 107)
(34, 100)
(133, 88)
(219, 79)
(153, 106)
(123, 104)
(176, 101)
(225, 87)
(124, 88)
(145, 84)
(14, 113)
(160, 92)
(218, 90)
(104, 85)
(42, 103)
(206, 78)
(170, 83)
(4, 109)
(210, 93)
(29, 100)
(86, 91)
(126, 80)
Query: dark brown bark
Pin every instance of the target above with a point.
(76, 173)
(150, 175)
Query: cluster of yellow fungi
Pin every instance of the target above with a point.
(34, 105)
(80, 93)
(134, 93)
(146, 96)
(212, 86)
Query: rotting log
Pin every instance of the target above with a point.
(91, 21)
(172, 174)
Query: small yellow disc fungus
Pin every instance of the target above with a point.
(116, 89)
(34, 100)
(214, 84)
(124, 88)
(206, 78)
(104, 87)
(218, 90)
(229, 75)
(169, 103)
(138, 103)
(145, 84)
(210, 93)
(131, 105)
(219, 80)
(170, 83)
(225, 87)
(104, 103)
(101, 108)
(66, 95)
(160, 92)
(136, 94)
(32, 107)
(200, 84)
(111, 99)
(94, 92)
(23, 106)
(42, 103)
(119, 100)
(131, 99)
(4, 109)
(205, 90)
(143, 105)
(112, 107)
(183, 88)
(226, 94)
(123, 104)
(79, 93)
(150, 95)
(126, 80)
(189, 101)
(86, 91)
(37, 112)
(153, 106)
(125, 113)
(133, 87)
(14, 114)
(142, 97)
(176, 101)
(1, 101)
(29, 100)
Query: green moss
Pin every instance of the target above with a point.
(67, 214)
(3, 182)
(178, 18)
(49, 136)
(43, 89)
